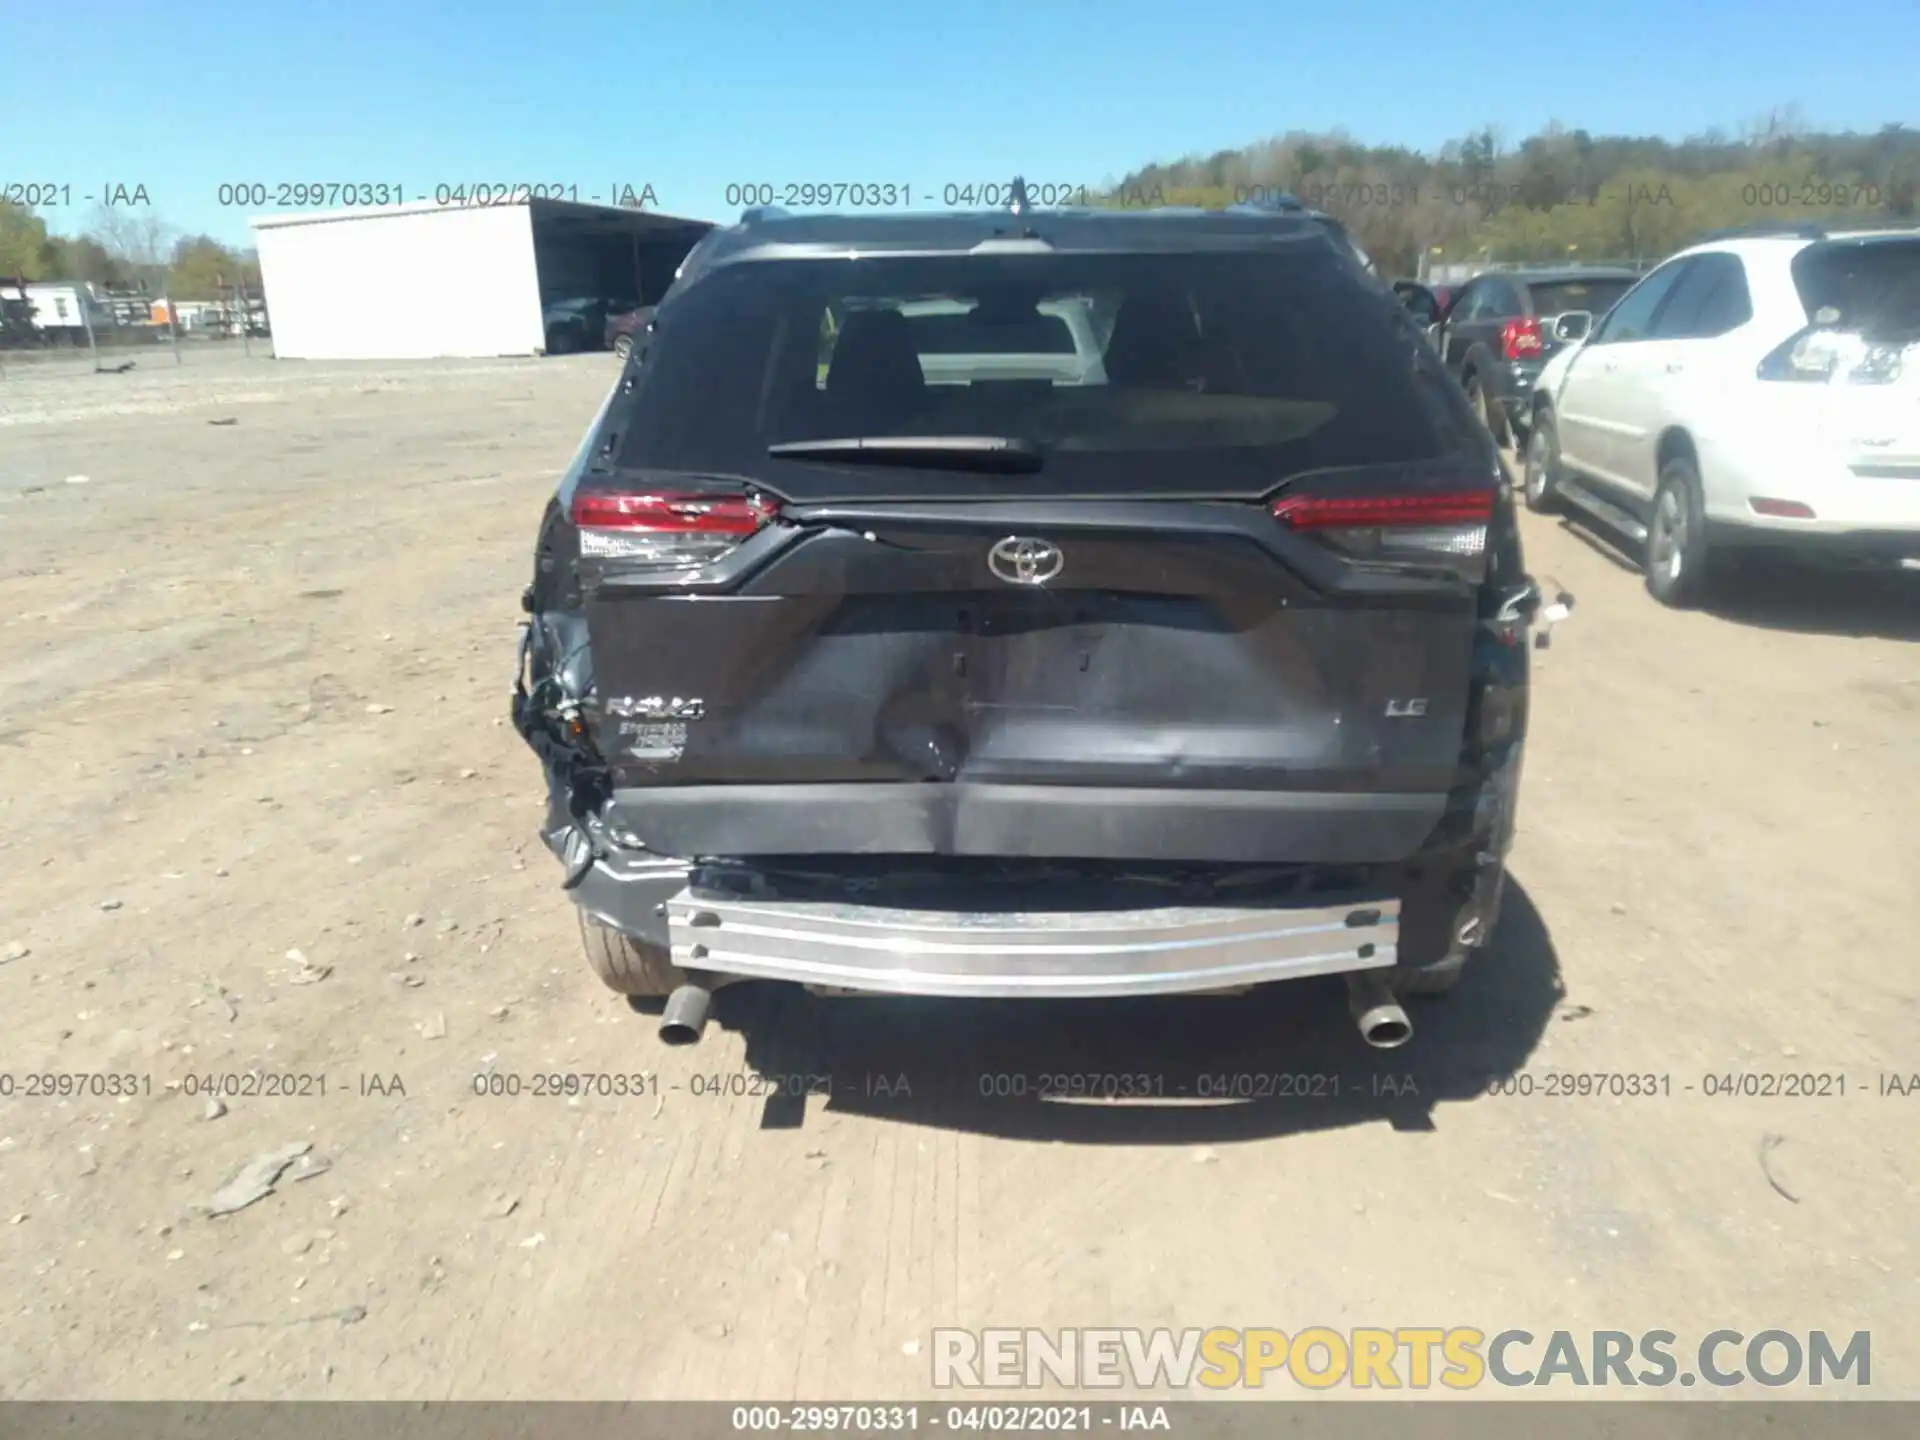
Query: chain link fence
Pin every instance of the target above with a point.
(56, 327)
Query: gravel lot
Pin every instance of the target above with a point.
(260, 811)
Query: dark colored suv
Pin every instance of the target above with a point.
(1051, 604)
(1498, 334)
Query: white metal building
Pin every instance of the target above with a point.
(423, 281)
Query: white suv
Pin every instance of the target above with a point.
(1757, 391)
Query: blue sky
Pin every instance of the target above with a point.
(691, 95)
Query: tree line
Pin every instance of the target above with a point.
(123, 247)
(1557, 195)
(1560, 194)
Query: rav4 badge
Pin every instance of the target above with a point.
(655, 707)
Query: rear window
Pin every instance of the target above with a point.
(1870, 286)
(1133, 371)
(1560, 296)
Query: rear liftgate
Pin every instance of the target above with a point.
(1166, 682)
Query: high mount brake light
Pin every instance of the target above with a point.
(666, 530)
(1445, 526)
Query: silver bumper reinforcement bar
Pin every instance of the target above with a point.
(1171, 950)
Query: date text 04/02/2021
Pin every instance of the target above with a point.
(953, 195)
(352, 194)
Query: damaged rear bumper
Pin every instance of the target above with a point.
(1158, 823)
(1159, 951)
(1061, 951)
(1099, 938)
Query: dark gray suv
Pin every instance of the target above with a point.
(889, 634)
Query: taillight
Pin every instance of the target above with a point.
(663, 530)
(1448, 526)
(1521, 339)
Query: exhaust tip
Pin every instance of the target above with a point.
(1386, 1031)
(1377, 1014)
(685, 1018)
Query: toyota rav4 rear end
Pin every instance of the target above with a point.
(1041, 605)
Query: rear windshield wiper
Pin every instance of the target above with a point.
(998, 454)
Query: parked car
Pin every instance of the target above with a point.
(987, 670)
(623, 326)
(577, 322)
(1499, 332)
(1426, 303)
(1754, 392)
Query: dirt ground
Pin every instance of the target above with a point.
(260, 811)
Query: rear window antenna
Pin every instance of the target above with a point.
(1017, 200)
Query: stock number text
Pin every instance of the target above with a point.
(45, 1085)
(802, 194)
(1809, 192)
(287, 194)
(566, 1084)
(826, 1419)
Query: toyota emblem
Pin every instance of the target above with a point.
(1020, 561)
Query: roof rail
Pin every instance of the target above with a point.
(1894, 224)
(1792, 229)
(1268, 204)
(1502, 267)
(763, 212)
(1573, 264)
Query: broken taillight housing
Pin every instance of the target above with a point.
(1821, 354)
(1446, 528)
(665, 531)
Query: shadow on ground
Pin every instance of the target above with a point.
(1884, 604)
(1179, 1070)
(1614, 548)
(1780, 592)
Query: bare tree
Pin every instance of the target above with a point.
(1780, 124)
(140, 239)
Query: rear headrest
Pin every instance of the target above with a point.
(1154, 343)
(874, 359)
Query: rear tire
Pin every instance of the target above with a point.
(1489, 416)
(1677, 553)
(1540, 486)
(628, 966)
